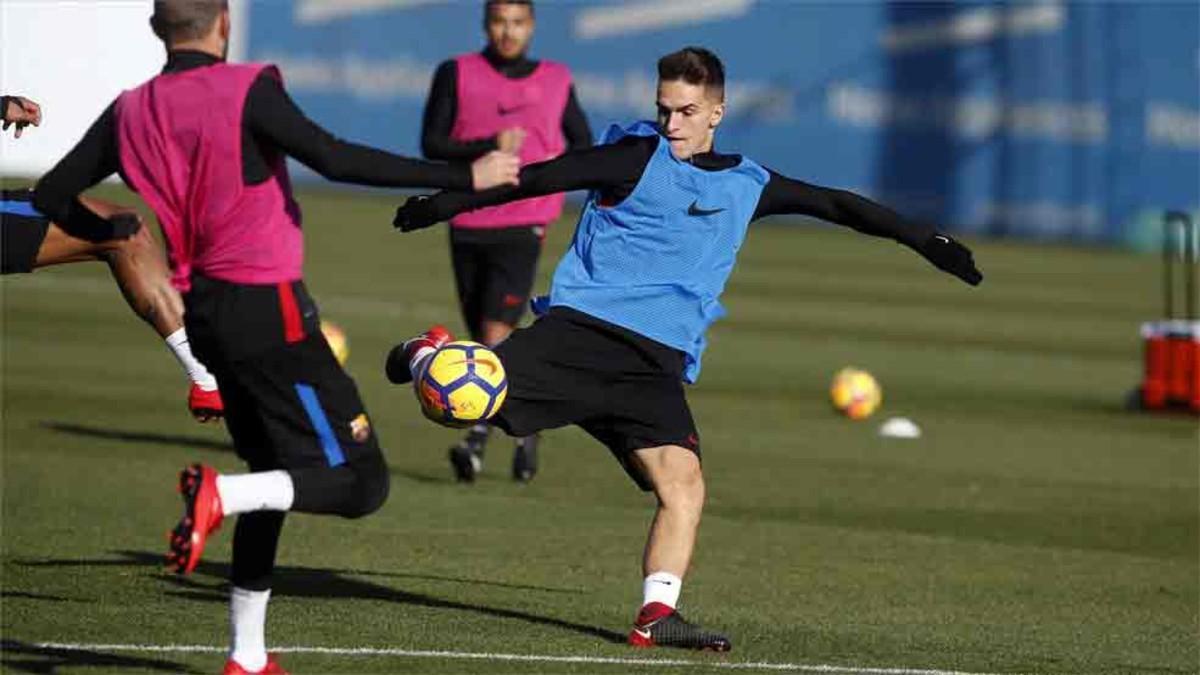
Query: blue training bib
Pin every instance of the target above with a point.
(657, 262)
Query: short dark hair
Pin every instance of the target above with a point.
(694, 65)
(175, 20)
(489, 4)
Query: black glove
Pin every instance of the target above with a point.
(82, 223)
(950, 256)
(124, 225)
(416, 214)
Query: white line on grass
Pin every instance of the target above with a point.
(534, 658)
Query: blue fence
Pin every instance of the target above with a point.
(1047, 120)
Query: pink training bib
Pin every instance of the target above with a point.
(489, 102)
(180, 145)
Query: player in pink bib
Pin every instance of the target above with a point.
(204, 144)
(501, 99)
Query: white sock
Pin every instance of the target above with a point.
(178, 342)
(259, 491)
(662, 587)
(417, 365)
(247, 623)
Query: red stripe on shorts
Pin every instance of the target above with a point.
(293, 328)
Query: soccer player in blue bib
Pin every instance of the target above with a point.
(633, 296)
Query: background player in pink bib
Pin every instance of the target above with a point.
(500, 99)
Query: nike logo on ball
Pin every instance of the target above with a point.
(487, 365)
(695, 210)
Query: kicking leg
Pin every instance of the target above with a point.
(405, 361)
(140, 270)
(293, 408)
(137, 265)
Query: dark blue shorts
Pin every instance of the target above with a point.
(22, 231)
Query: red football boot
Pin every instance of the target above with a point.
(658, 625)
(272, 668)
(401, 356)
(202, 514)
(205, 404)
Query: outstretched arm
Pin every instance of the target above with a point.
(272, 116)
(603, 167)
(784, 195)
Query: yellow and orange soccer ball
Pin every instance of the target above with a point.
(855, 393)
(462, 384)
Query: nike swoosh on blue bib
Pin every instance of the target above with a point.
(695, 210)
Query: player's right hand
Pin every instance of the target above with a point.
(20, 111)
(417, 213)
(495, 168)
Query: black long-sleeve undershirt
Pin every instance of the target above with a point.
(441, 109)
(272, 124)
(614, 170)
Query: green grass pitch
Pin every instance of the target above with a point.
(1036, 527)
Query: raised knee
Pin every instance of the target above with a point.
(371, 494)
(376, 492)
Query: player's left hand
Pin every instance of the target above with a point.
(20, 111)
(417, 213)
(950, 256)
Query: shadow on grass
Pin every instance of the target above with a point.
(40, 597)
(17, 656)
(181, 440)
(310, 582)
(1143, 533)
(446, 477)
(423, 477)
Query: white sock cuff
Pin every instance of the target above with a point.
(259, 491)
(178, 343)
(177, 338)
(247, 595)
(662, 587)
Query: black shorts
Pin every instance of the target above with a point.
(494, 271)
(288, 404)
(22, 231)
(622, 388)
